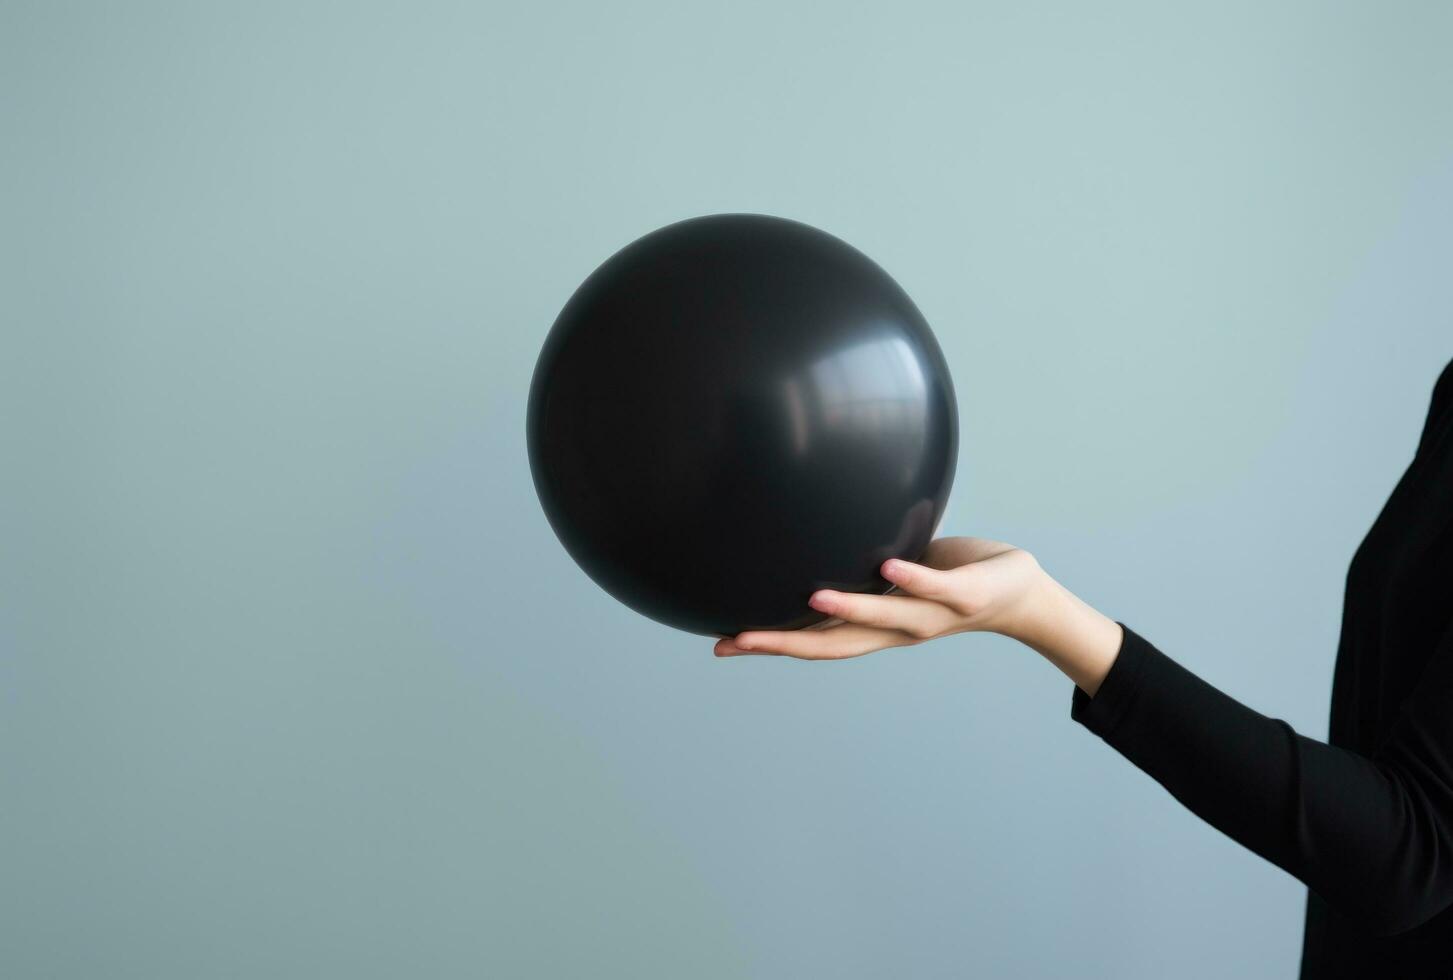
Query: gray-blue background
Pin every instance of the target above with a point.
(295, 680)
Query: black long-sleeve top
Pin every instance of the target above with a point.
(1366, 820)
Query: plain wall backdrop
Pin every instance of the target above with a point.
(295, 680)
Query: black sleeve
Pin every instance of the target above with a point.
(1372, 835)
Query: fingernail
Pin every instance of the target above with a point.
(892, 569)
(823, 601)
(741, 644)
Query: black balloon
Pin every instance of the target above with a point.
(734, 411)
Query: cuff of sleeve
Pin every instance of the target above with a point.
(1103, 713)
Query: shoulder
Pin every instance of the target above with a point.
(1442, 393)
(1440, 410)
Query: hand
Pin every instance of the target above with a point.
(962, 585)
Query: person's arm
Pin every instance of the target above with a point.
(1373, 835)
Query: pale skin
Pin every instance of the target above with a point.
(962, 585)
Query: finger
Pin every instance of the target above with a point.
(919, 618)
(825, 624)
(918, 580)
(838, 643)
(725, 647)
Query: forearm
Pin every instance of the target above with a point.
(1370, 834)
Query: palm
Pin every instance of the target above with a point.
(960, 584)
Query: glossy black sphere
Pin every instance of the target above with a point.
(734, 411)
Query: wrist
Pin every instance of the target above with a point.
(1038, 602)
(1068, 632)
